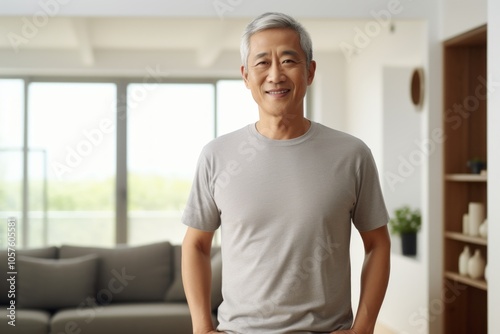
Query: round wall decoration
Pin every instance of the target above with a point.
(417, 88)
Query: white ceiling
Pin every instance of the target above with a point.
(207, 37)
(127, 46)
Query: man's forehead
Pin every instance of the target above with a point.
(286, 41)
(273, 32)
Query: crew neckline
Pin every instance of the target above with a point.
(283, 142)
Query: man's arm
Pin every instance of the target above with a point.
(374, 280)
(197, 278)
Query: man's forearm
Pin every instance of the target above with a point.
(196, 277)
(374, 280)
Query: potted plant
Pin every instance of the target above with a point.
(476, 165)
(406, 223)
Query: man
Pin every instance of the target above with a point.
(284, 191)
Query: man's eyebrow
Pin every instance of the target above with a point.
(284, 53)
(290, 53)
(260, 55)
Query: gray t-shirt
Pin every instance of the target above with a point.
(285, 209)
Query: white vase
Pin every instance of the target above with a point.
(476, 217)
(486, 272)
(483, 229)
(476, 264)
(465, 224)
(463, 261)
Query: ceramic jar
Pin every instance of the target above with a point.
(463, 261)
(483, 229)
(476, 217)
(465, 224)
(476, 265)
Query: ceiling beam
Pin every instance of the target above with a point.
(80, 26)
(208, 52)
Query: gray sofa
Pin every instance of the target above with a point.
(90, 290)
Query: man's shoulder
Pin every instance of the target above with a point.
(227, 140)
(342, 139)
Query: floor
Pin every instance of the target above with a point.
(381, 329)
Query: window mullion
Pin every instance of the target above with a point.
(121, 223)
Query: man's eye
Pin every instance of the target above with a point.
(287, 61)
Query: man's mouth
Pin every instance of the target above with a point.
(277, 91)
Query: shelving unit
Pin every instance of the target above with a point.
(464, 115)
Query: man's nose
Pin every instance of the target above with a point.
(276, 73)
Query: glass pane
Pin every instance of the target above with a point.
(168, 125)
(235, 106)
(72, 144)
(11, 156)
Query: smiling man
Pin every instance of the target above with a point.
(286, 210)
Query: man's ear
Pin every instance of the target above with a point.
(310, 72)
(244, 75)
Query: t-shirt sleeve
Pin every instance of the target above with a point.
(369, 211)
(201, 211)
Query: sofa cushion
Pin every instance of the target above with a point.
(129, 274)
(176, 292)
(125, 318)
(27, 322)
(55, 283)
(46, 253)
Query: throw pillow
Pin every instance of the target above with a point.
(46, 253)
(129, 274)
(54, 283)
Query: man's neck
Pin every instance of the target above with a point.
(283, 127)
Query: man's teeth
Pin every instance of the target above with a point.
(278, 91)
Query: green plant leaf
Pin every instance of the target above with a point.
(405, 220)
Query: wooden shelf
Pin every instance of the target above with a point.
(466, 238)
(466, 177)
(480, 284)
(465, 128)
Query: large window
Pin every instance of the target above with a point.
(11, 154)
(166, 131)
(235, 106)
(62, 167)
(72, 142)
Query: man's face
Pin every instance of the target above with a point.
(277, 73)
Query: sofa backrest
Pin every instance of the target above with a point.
(128, 273)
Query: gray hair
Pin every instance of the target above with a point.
(274, 20)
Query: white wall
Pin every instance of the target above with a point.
(462, 15)
(328, 91)
(403, 148)
(404, 47)
(402, 130)
(493, 166)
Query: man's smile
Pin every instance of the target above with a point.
(277, 91)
